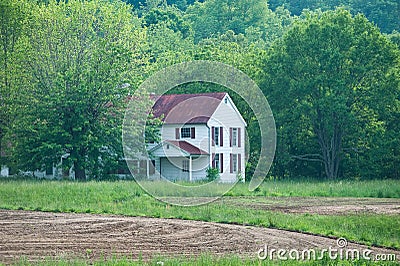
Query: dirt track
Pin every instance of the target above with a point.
(36, 235)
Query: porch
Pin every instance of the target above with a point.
(179, 160)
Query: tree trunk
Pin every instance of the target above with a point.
(330, 154)
(95, 171)
(79, 171)
(330, 142)
(331, 149)
(78, 157)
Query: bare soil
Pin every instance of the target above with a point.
(35, 236)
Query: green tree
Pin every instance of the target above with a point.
(329, 84)
(215, 17)
(395, 38)
(385, 13)
(169, 16)
(169, 36)
(82, 58)
(144, 5)
(12, 15)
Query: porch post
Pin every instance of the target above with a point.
(147, 168)
(190, 168)
(159, 158)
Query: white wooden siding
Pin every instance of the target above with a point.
(227, 117)
(168, 150)
(171, 168)
(201, 139)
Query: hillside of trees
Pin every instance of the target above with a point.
(329, 69)
(384, 13)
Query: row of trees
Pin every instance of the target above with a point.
(331, 78)
(384, 13)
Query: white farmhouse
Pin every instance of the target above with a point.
(199, 131)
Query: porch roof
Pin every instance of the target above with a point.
(182, 145)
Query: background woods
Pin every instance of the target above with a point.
(329, 69)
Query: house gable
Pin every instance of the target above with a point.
(228, 107)
(166, 149)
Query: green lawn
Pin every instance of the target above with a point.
(127, 198)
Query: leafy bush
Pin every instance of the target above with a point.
(212, 174)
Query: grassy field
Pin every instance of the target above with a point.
(127, 198)
(313, 188)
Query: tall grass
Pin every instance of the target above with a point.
(341, 188)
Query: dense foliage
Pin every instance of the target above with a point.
(331, 77)
(337, 72)
(385, 13)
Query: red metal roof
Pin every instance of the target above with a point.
(186, 146)
(187, 108)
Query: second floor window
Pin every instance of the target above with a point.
(234, 136)
(185, 133)
(217, 136)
